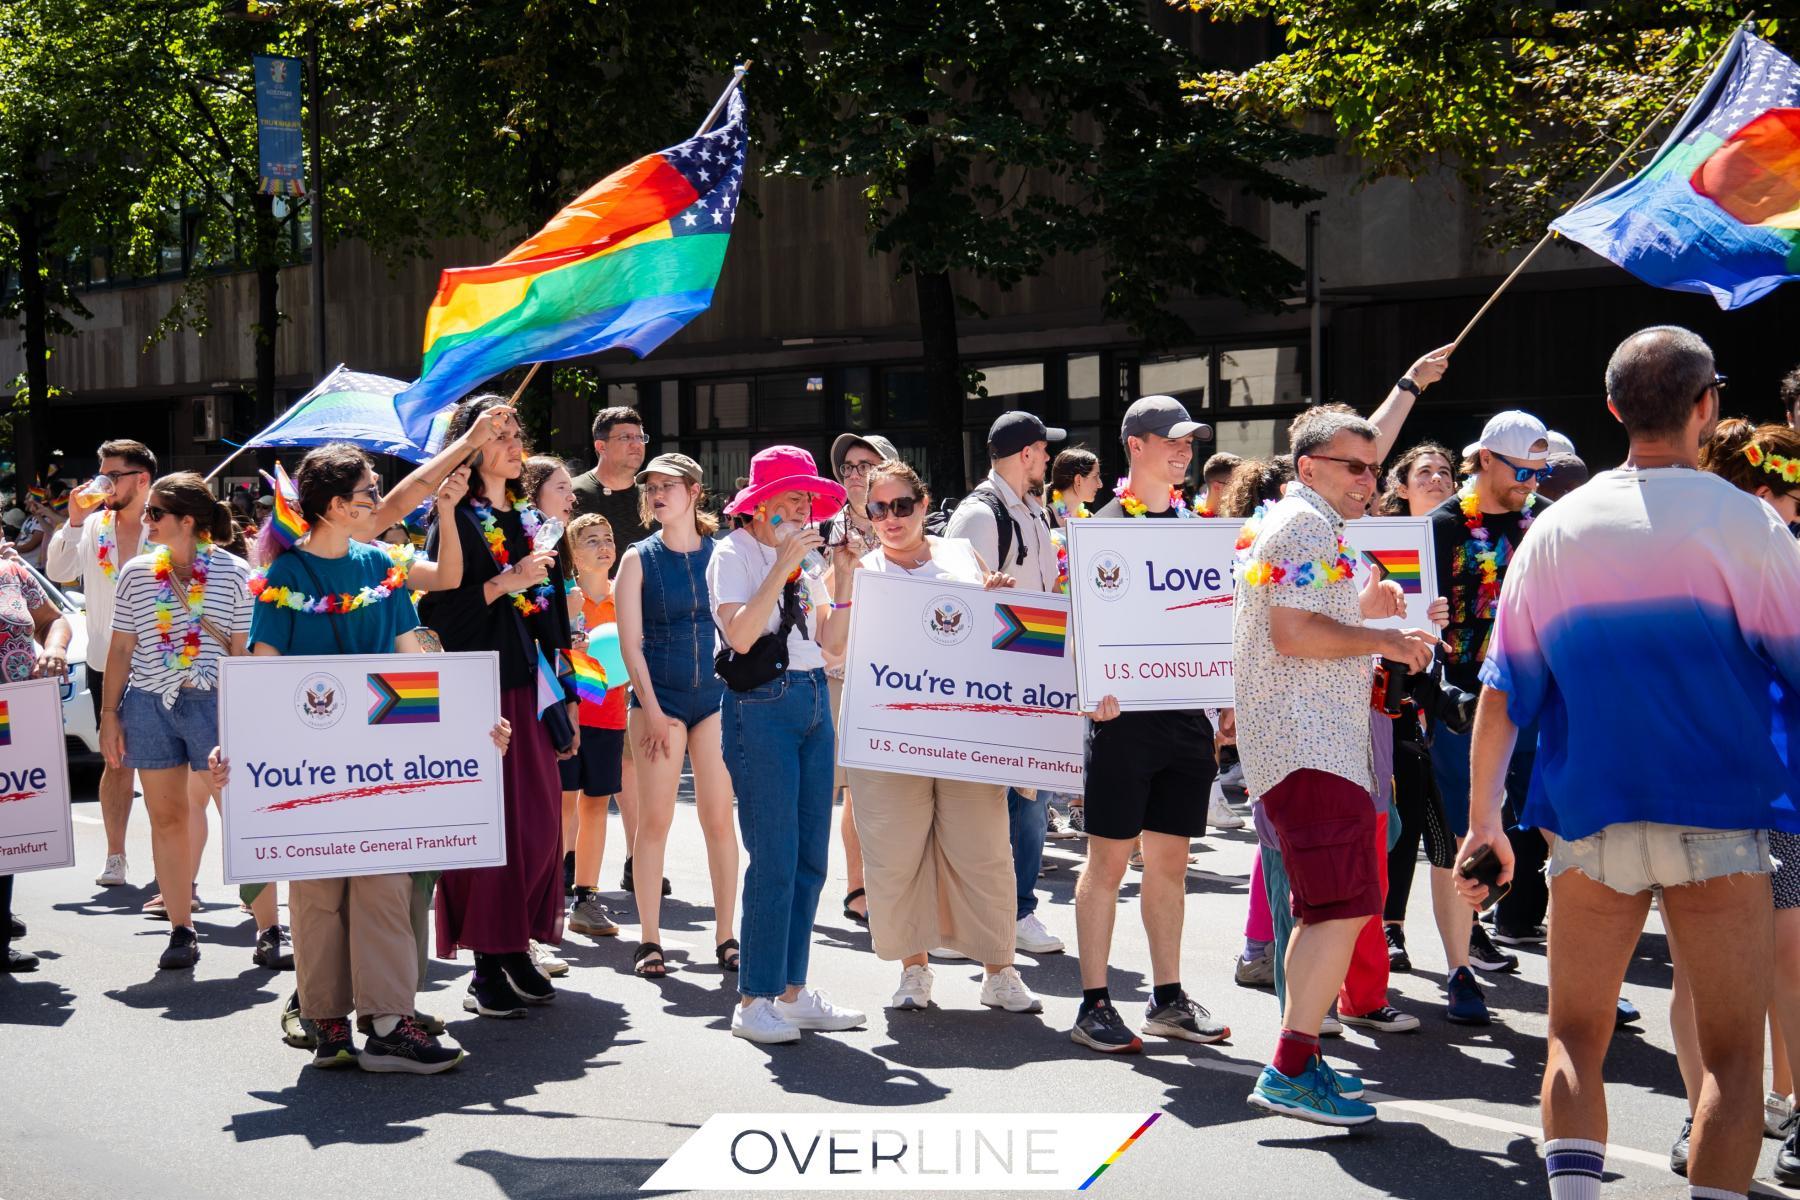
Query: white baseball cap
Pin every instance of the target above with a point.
(1514, 434)
(1560, 443)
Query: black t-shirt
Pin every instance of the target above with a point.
(1198, 725)
(465, 622)
(620, 509)
(1459, 578)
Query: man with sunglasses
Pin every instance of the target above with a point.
(92, 547)
(1476, 533)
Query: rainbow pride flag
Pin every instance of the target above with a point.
(1402, 566)
(403, 698)
(1030, 630)
(590, 678)
(1717, 211)
(627, 264)
(5, 724)
(60, 503)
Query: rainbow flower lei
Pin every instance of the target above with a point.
(163, 568)
(106, 544)
(402, 557)
(1315, 573)
(1059, 538)
(1774, 464)
(1136, 508)
(1484, 553)
(538, 598)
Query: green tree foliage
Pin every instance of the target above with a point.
(1526, 103)
(990, 135)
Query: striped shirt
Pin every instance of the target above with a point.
(227, 607)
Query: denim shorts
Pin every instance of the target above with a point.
(690, 706)
(157, 738)
(1639, 856)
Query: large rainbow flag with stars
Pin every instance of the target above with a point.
(1717, 211)
(627, 264)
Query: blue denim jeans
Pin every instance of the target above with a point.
(1027, 818)
(778, 744)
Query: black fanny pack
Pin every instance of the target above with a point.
(767, 656)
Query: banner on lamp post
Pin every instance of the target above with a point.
(280, 146)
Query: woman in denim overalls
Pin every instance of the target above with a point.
(666, 637)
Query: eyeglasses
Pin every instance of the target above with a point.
(856, 468)
(662, 489)
(1521, 474)
(115, 476)
(154, 513)
(626, 439)
(1357, 466)
(1718, 381)
(902, 508)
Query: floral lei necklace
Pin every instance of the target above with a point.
(162, 566)
(106, 544)
(1483, 552)
(1136, 508)
(1315, 573)
(402, 557)
(538, 598)
(1059, 536)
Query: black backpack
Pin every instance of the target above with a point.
(1006, 526)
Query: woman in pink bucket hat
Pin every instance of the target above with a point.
(777, 730)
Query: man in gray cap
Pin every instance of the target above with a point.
(1009, 529)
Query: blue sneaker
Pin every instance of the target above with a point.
(1308, 1098)
(1350, 1087)
(1466, 1006)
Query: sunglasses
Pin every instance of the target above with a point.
(154, 513)
(1521, 474)
(902, 508)
(373, 492)
(1357, 466)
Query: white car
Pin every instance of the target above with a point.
(81, 732)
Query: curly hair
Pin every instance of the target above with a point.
(1256, 481)
(1392, 503)
(1738, 452)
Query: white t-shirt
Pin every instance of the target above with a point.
(951, 558)
(739, 565)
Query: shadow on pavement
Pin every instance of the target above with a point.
(42, 1002)
(520, 1178)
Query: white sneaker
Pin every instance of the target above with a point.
(1232, 777)
(813, 1011)
(1058, 828)
(114, 874)
(546, 961)
(1218, 812)
(1004, 989)
(1331, 1026)
(1030, 936)
(758, 1021)
(914, 991)
(1777, 1108)
(949, 955)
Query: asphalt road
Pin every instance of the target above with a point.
(118, 1080)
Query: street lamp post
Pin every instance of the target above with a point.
(315, 91)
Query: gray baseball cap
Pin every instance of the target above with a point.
(1165, 416)
(874, 443)
(672, 464)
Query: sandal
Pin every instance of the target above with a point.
(859, 894)
(728, 954)
(641, 965)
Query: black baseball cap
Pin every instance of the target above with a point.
(1012, 431)
(1162, 415)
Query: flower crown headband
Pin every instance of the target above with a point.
(1775, 464)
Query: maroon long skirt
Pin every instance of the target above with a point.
(497, 910)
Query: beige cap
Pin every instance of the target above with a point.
(672, 464)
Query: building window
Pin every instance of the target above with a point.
(1264, 438)
(904, 390)
(1084, 387)
(1184, 378)
(790, 402)
(721, 404)
(1261, 376)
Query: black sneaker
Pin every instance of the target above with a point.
(408, 1049)
(1102, 1028)
(525, 978)
(268, 954)
(1184, 1019)
(1398, 959)
(626, 882)
(1678, 1153)
(336, 1049)
(183, 951)
(15, 927)
(1625, 1013)
(493, 997)
(1485, 956)
(424, 1020)
(16, 962)
(1518, 937)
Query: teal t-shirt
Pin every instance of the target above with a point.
(371, 629)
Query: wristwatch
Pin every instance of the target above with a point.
(1406, 384)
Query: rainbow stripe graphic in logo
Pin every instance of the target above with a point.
(403, 698)
(1117, 1154)
(5, 724)
(1030, 630)
(1402, 566)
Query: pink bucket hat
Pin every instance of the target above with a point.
(787, 469)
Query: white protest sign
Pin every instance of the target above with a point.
(36, 829)
(1403, 547)
(360, 764)
(1152, 611)
(951, 680)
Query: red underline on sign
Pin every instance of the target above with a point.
(11, 796)
(1021, 710)
(1198, 603)
(377, 789)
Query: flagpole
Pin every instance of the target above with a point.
(250, 443)
(1550, 235)
(737, 77)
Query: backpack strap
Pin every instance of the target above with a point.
(1006, 526)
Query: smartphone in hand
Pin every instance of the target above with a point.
(1483, 867)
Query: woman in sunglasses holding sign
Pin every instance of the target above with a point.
(507, 601)
(937, 853)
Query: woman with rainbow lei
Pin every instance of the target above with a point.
(1074, 483)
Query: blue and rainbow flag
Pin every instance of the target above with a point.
(355, 407)
(403, 698)
(1717, 211)
(1030, 630)
(627, 264)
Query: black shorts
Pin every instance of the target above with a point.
(96, 681)
(1149, 772)
(595, 769)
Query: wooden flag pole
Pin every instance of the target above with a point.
(1704, 71)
